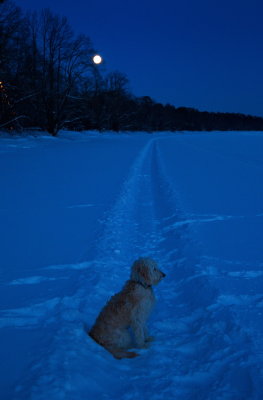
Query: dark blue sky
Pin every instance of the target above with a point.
(206, 54)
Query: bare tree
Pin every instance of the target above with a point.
(117, 82)
(117, 96)
(64, 61)
(11, 56)
(10, 21)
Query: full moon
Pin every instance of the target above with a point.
(97, 59)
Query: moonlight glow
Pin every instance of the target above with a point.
(97, 59)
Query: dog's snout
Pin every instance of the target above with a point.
(163, 275)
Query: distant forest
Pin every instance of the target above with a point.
(48, 81)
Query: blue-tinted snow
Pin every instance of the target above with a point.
(77, 210)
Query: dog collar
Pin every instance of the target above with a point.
(145, 286)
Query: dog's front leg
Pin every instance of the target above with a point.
(139, 336)
(147, 337)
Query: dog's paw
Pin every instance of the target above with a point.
(124, 354)
(149, 339)
(146, 345)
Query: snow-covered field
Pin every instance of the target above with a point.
(77, 210)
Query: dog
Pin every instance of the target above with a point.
(121, 324)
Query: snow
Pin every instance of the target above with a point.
(77, 210)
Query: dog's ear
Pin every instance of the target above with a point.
(140, 273)
(145, 275)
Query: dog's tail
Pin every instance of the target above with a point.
(116, 352)
(119, 354)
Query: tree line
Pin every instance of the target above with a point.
(48, 81)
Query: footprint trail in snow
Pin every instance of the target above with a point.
(200, 351)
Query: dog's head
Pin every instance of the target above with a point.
(146, 272)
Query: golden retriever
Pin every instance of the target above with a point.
(122, 322)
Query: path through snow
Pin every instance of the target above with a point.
(201, 351)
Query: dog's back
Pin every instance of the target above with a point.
(117, 311)
(114, 319)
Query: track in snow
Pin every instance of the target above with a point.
(199, 353)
